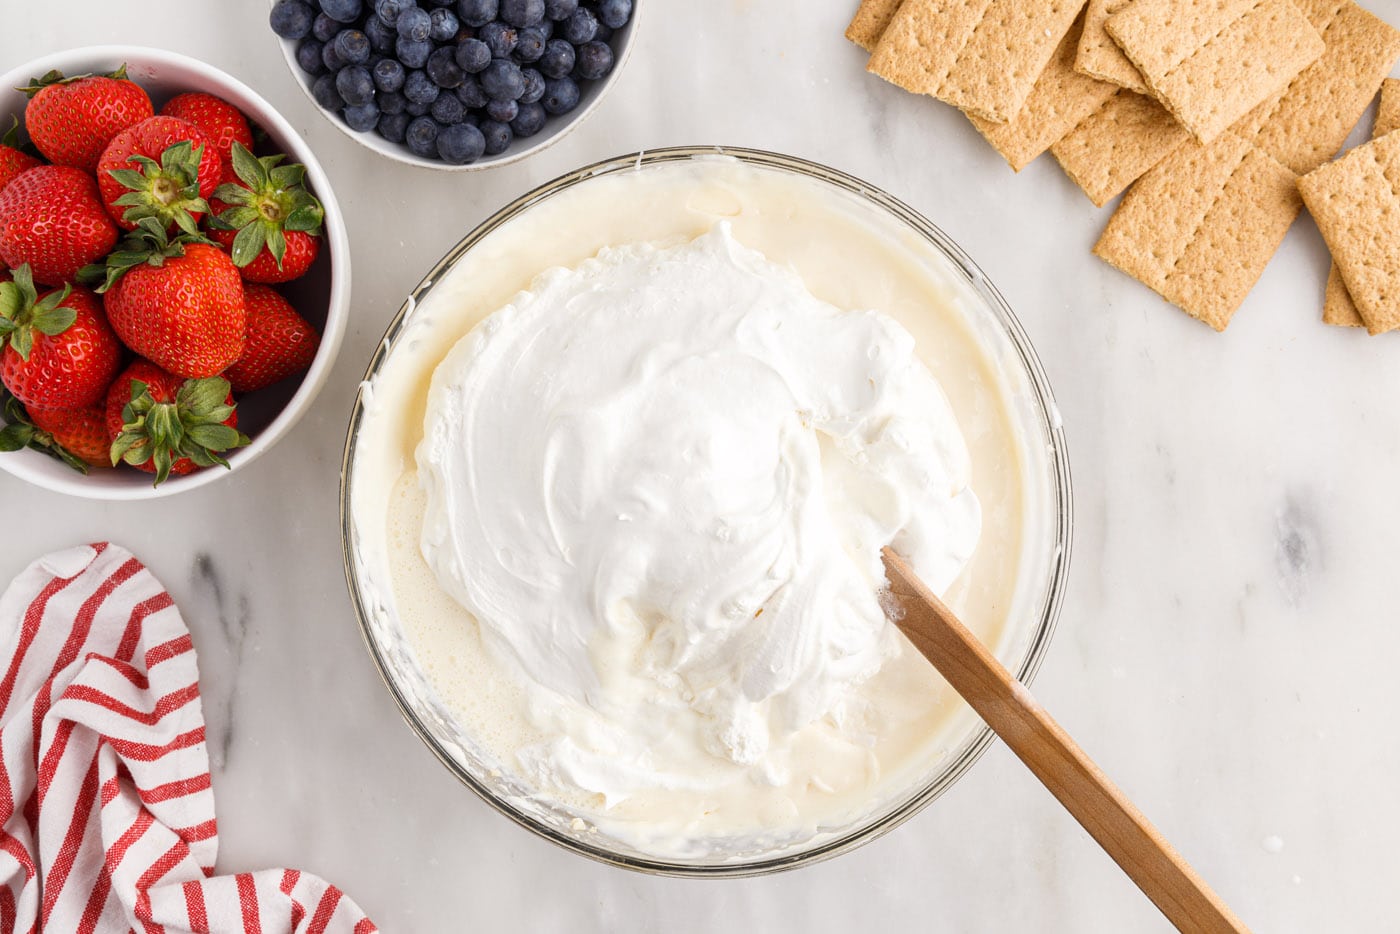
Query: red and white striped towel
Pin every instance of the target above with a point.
(105, 799)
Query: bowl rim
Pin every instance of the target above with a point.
(1044, 405)
(338, 301)
(403, 155)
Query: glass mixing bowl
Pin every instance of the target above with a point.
(1044, 552)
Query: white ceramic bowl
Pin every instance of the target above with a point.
(322, 295)
(554, 129)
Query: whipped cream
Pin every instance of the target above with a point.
(660, 482)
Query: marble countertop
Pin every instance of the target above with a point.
(1228, 641)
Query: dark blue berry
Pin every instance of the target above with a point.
(581, 27)
(603, 33)
(522, 13)
(497, 136)
(352, 46)
(502, 80)
(323, 28)
(557, 60)
(615, 13)
(331, 58)
(291, 19)
(391, 102)
(529, 45)
(419, 88)
(477, 12)
(309, 56)
(362, 117)
(534, 86)
(460, 144)
(413, 52)
(414, 23)
(529, 121)
(421, 135)
(442, 68)
(415, 109)
(559, 9)
(389, 10)
(471, 94)
(595, 59)
(323, 90)
(392, 126)
(355, 84)
(472, 55)
(342, 11)
(499, 38)
(560, 95)
(445, 26)
(448, 109)
(504, 111)
(388, 75)
(382, 36)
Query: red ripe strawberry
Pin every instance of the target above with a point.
(165, 425)
(163, 167)
(71, 120)
(80, 432)
(176, 302)
(13, 160)
(58, 350)
(219, 120)
(280, 342)
(266, 219)
(52, 218)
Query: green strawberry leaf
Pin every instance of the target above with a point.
(53, 321)
(15, 437)
(22, 342)
(202, 396)
(239, 217)
(248, 168)
(288, 176)
(277, 245)
(130, 178)
(232, 194)
(306, 219)
(212, 437)
(11, 301)
(248, 244)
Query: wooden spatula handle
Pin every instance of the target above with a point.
(1072, 777)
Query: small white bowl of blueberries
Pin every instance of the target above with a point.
(455, 84)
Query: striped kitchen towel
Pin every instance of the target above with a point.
(105, 799)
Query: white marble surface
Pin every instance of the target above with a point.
(1227, 648)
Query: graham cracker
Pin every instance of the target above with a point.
(1060, 100)
(1212, 61)
(1337, 306)
(982, 56)
(1099, 56)
(1112, 147)
(1356, 203)
(870, 21)
(1201, 225)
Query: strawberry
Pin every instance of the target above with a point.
(166, 425)
(272, 224)
(71, 120)
(177, 302)
(13, 160)
(66, 426)
(280, 342)
(58, 350)
(162, 167)
(219, 120)
(52, 218)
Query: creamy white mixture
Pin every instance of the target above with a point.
(660, 483)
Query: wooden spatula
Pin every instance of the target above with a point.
(1072, 777)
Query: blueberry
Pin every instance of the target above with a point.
(291, 19)
(472, 55)
(529, 45)
(342, 11)
(460, 144)
(477, 12)
(323, 28)
(448, 109)
(352, 46)
(503, 111)
(421, 135)
(414, 23)
(502, 80)
(534, 86)
(392, 126)
(415, 109)
(442, 68)
(391, 102)
(445, 26)
(309, 56)
(529, 121)
(355, 84)
(323, 90)
(546, 28)
(615, 13)
(419, 88)
(388, 75)
(331, 58)
(471, 94)
(604, 33)
(595, 59)
(522, 13)
(557, 60)
(389, 10)
(497, 136)
(499, 38)
(382, 36)
(560, 96)
(581, 27)
(362, 117)
(413, 52)
(559, 9)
